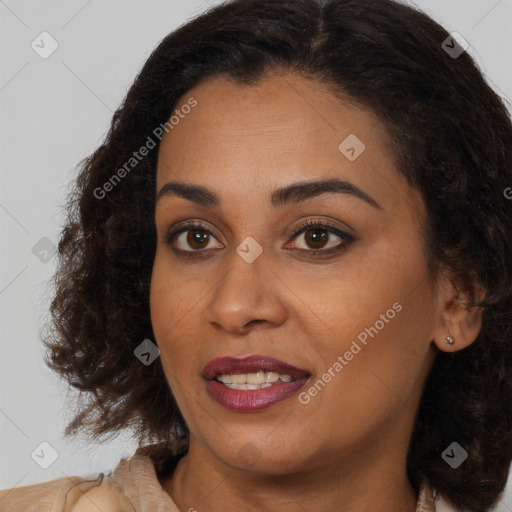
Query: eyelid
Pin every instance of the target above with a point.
(189, 226)
(321, 223)
(346, 239)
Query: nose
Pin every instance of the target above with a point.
(248, 296)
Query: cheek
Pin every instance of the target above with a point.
(168, 299)
(336, 307)
(379, 312)
(161, 302)
(173, 305)
(376, 381)
(166, 312)
(384, 356)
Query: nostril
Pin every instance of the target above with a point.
(255, 321)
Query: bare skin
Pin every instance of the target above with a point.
(345, 449)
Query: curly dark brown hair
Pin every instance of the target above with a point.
(452, 139)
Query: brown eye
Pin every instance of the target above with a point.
(191, 238)
(316, 236)
(196, 238)
(316, 239)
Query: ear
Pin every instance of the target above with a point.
(456, 317)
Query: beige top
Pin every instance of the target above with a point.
(132, 487)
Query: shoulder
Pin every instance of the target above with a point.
(133, 485)
(69, 494)
(36, 497)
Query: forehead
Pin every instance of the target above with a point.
(283, 128)
(280, 109)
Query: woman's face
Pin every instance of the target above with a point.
(348, 304)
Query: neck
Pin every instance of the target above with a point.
(202, 482)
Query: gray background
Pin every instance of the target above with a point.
(54, 112)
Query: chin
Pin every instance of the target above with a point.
(256, 454)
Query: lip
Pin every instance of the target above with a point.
(252, 400)
(251, 364)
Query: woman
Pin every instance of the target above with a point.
(287, 269)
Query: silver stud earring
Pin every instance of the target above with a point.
(450, 340)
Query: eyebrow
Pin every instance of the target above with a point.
(293, 193)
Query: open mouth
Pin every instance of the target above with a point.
(256, 380)
(252, 383)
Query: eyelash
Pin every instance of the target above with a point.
(303, 228)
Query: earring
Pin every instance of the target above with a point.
(450, 340)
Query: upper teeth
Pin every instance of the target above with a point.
(254, 378)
